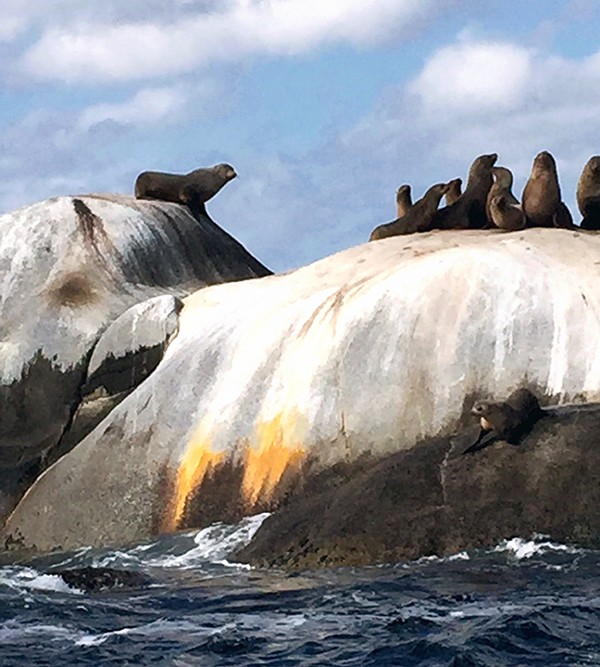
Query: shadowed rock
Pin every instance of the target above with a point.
(95, 579)
(429, 500)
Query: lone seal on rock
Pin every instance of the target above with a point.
(468, 211)
(588, 194)
(541, 196)
(403, 200)
(418, 217)
(508, 420)
(193, 189)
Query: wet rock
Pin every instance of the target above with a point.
(95, 579)
(431, 500)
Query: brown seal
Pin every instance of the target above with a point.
(417, 219)
(468, 211)
(506, 420)
(588, 194)
(506, 215)
(502, 208)
(541, 196)
(454, 191)
(193, 189)
(403, 200)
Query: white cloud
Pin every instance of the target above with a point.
(87, 50)
(475, 77)
(147, 107)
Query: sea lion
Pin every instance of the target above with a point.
(506, 215)
(417, 219)
(541, 198)
(506, 420)
(502, 185)
(588, 194)
(403, 200)
(454, 191)
(193, 189)
(468, 211)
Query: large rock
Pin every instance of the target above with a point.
(430, 500)
(68, 268)
(366, 353)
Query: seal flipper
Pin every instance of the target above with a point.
(485, 439)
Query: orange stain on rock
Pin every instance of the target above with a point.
(197, 461)
(265, 464)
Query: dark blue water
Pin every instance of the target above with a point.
(522, 603)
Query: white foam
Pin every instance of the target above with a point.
(215, 543)
(25, 578)
(521, 549)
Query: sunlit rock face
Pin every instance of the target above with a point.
(68, 268)
(364, 353)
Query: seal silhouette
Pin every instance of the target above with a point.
(193, 189)
(541, 198)
(454, 191)
(403, 200)
(417, 219)
(508, 420)
(588, 194)
(468, 211)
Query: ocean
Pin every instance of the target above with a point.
(522, 602)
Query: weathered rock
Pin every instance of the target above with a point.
(68, 268)
(270, 383)
(431, 500)
(125, 355)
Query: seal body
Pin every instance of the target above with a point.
(541, 196)
(193, 189)
(588, 194)
(506, 215)
(502, 185)
(454, 191)
(403, 200)
(417, 219)
(468, 211)
(506, 420)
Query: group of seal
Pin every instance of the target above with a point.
(488, 201)
(192, 190)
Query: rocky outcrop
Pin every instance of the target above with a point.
(371, 353)
(68, 268)
(431, 500)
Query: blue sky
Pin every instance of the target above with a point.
(324, 108)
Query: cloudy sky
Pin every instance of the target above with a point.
(324, 108)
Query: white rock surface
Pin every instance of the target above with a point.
(371, 350)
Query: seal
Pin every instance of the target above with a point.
(403, 200)
(541, 196)
(588, 194)
(454, 191)
(468, 211)
(417, 219)
(193, 189)
(506, 215)
(508, 420)
(502, 185)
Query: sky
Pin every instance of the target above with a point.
(324, 108)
